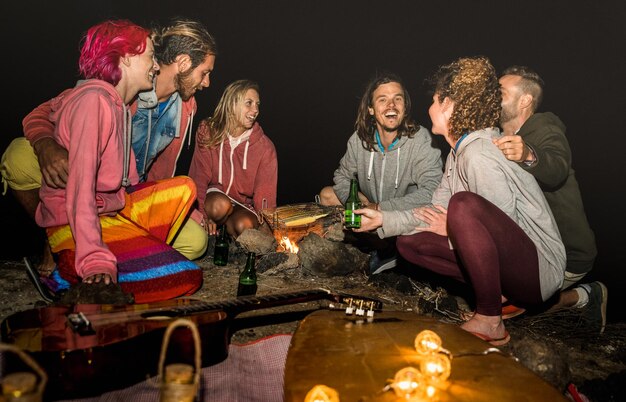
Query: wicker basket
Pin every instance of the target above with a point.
(179, 382)
(23, 386)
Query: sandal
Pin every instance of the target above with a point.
(43, 290)
(493, 341)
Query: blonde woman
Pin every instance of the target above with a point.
(234, 165)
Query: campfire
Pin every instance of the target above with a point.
(288, 246)
(290, 223)
(310, 237)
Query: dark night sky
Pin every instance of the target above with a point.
(312, 59)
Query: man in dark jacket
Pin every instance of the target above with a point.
(538, 143)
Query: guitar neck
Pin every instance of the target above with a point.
(85, 322)
(249, 303)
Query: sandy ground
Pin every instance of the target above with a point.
(557, 347)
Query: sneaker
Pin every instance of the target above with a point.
(594, 312)
(377, 265)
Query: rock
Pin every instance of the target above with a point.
(259, 242)
(270, 260)
(274, 263)
(96, 293)
(335, 232)
(325, 258)
(544, 357)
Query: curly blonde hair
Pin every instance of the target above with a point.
(472, 84)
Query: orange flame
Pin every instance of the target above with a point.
(289, 246)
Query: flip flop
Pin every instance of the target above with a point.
(494, 341)
(33, 275)
(510, 311)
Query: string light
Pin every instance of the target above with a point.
(322, 393)
(435, 368)
(427, 342)
(408, 383)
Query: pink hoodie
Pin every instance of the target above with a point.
(37, 125)
(89, 123)
(251, 173)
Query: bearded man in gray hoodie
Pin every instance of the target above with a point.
(393, 158)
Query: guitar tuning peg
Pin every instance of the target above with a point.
(360, 312)
(370, 313)
(349, 310)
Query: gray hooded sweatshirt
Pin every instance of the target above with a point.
(401, 178)
(480, 167)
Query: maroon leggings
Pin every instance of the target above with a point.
(491, 253)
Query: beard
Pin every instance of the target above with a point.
(507, 114)
(184, 86)
(390, 129)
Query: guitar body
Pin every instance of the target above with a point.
(362, 357)
(122, 349)
(89, 349)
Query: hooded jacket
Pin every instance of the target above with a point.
(37, 125)
(480, 167)
(545, 134)
(248, 173)
(164, 164)
(92, 123)
(402, 178)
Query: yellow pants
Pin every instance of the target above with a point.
(20, 171)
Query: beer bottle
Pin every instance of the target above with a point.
(247, 279)
(220, 255)
(353, 220)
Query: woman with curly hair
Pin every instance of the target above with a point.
(234, 165)
(489, 224)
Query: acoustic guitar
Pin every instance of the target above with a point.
(88, 349)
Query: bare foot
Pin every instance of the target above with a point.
(491, 327)
(97, 278)
(47, 264)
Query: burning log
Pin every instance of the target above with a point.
(291, 223)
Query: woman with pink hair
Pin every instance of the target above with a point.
(101, 229)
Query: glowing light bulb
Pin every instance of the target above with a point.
(427, 342)
(430, 391)
(322, 393)
(408, 382)
(436, 367)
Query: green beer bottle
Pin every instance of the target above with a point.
(220, 255)
(353, 220)
(247, 279)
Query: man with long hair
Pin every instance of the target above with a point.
(392, 156)
(162, 120)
